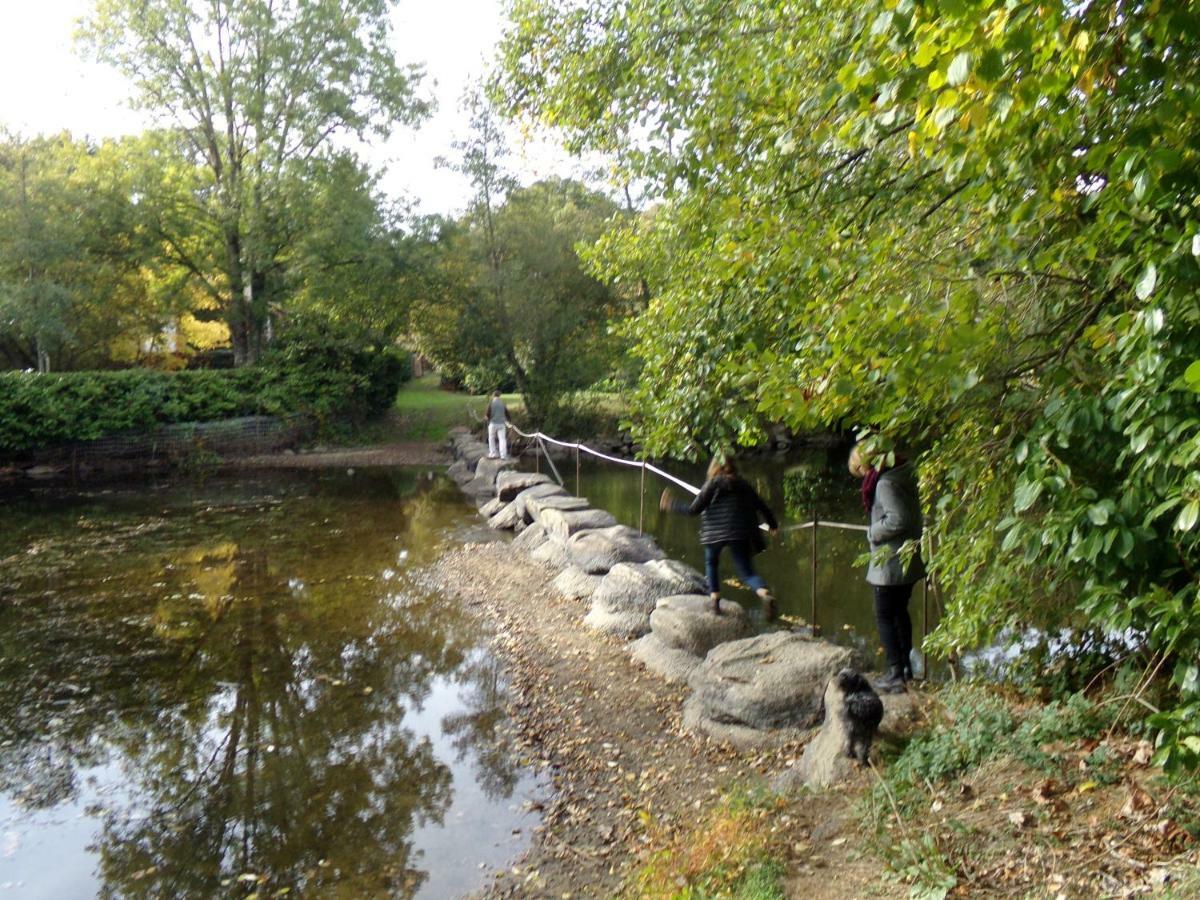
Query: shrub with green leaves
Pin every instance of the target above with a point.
(44, 410)
(976, 724)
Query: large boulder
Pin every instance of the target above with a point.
(472, 452)
(483, 485)
(537, 504)
(490, 469)
(627, 595)
(825, 761)
(562, 523)
(623, 625)
(576, 584)
(552, 552)
(511, 483)
(768, 682)
(637, 587)
(530, 538)
(671, 663)
(599, 549)
(687, 622)
(521, 502)
(492, 507)
(506, 518)
(686, 579)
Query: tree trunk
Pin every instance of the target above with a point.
(43, 358)
(245, 331)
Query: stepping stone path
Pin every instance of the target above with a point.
(511, 483)
(562, 523)
(599, 550)
(628, 594)
(687, 622)
(576, 584)
(749, 690)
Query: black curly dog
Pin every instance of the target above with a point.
(863, 711)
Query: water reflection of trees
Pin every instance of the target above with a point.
(476, 731)
(255, 704)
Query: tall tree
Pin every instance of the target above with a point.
(257, 90)
(513, 303)
(353, 265)
(73, 252)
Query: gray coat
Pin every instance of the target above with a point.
(895, 518)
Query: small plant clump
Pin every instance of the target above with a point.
(729, 853)
(1000, 795)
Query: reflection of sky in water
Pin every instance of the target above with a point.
(467, 836)
(207, 681)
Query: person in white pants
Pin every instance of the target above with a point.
(497, 419)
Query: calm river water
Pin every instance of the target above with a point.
(233, 686)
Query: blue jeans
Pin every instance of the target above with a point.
(740, 551)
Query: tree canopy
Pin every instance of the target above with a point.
(969, 226)
(74, 275)
(255, 91)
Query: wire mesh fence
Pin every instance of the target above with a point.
(174, 443)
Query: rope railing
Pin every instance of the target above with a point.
(542, 439)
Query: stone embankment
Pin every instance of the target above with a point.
(751, 690)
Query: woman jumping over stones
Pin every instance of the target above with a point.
(729, 509)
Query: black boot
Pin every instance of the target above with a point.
(893, 682)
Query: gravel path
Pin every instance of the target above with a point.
(610, 735)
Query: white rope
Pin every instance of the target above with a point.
(822, 522)
(537, 435)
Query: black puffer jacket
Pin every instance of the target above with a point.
(729, 509)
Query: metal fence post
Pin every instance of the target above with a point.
(925, 605)
(815, 627)
(576, 470)
(924, 626)
(642, 499)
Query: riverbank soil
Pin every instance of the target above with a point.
(627, 780)
(413, 432)
(394, 453)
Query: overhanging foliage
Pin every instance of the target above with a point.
(969, 226)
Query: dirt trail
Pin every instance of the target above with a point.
(610, 735)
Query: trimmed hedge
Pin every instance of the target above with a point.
(39, 411)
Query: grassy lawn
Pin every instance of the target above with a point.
(423, 411)
(427, 413)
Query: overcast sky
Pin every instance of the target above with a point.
(47, 87)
